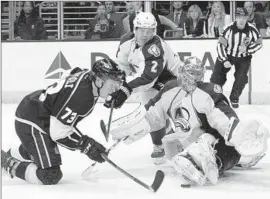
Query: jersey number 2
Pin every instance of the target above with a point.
(69, 114)
(154, 67)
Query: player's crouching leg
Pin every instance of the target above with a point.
(49, 176)
(29, 171)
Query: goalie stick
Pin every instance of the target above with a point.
(159, 176)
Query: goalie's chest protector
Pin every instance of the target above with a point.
(183, 114)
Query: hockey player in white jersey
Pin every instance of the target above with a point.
(208, 136)
(149, 63)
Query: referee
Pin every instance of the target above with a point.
(236, 45)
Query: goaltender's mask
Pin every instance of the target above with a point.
(191, 73)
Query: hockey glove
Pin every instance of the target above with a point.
(91, 148)
(119, 96)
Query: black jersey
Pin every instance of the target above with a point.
(58, 109)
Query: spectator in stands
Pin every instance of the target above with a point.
(262, 6)
(207, 10)
(194, 24)
(127, 21)
(161, 20)
(217, 20)
(255, 18)
(178, 16)
(130, 9)
(29, 26)
(100, 27)
(206, 14)
(115, 17)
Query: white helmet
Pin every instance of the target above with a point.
(145, 20)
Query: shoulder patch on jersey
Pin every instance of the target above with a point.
(217, 88)
(154, 50)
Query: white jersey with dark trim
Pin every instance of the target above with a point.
(143, 65)
(203, 110)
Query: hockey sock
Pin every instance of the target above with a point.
(19, 153)
(27, 171)
(157, 136)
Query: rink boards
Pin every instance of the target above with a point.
(28, 66)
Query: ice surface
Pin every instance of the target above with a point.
(107, 182)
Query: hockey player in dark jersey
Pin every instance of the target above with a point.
(48, 118)
(149, 63)
(208, 138)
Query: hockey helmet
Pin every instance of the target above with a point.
(145, 20)
(107, 68)
(192, 72)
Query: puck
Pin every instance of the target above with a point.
(185, 185)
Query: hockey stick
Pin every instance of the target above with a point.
(103, 126)
(87, 172)
(159, 177)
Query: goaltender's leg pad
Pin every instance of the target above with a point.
(184, 164)
(49, 176)
(200, 155)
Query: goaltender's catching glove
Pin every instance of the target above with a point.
(91, 148)
(119, 96)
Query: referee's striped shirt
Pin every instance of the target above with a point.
(232, 38)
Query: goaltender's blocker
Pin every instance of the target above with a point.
(208, 138)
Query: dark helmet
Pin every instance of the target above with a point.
(107, 68)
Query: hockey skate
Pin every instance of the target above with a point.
(158, 155)
(8, 163)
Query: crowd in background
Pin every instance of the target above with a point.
(180, 19)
